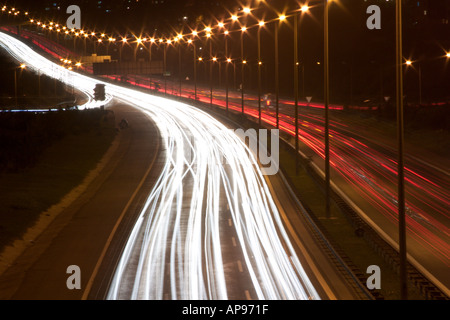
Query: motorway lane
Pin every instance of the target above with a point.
(79, 233)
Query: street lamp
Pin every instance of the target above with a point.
(208, 36)
(400, 161)
(409, 63)
(327, 109)
(261, 25)
(138, 44)
(195, 66)
(227, 84)
(281, 18)
(21, 68)
(303, 9)
(244, 62)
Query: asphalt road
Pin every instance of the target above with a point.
(79, 237)
(79, 234)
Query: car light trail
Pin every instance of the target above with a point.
(179, 223)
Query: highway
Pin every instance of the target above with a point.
(210, 181)
(364, 167)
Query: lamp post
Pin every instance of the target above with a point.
(296, 94)
(227, 89)
(165, 67)
(21, 67)
(303, 9)
(327, 110)
(150, 46)
(242, 69)
(195, 71)
(228, 61)
(179, 67)
(138, 44)
(277, 69)
(261, 25)
(210, 70)
(400, 161)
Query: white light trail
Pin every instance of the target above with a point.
(175, 244)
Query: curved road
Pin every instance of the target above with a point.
(208, 178)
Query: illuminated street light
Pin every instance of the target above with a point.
(409, 63)
(21, 67)
(244, 62)
(401, 199)
(261, 25)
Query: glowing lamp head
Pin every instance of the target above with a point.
(247, 10)
(408, 62)
(304, 9)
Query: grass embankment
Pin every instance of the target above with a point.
(341, 231)
(43, 157)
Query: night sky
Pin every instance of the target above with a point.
(362, 60)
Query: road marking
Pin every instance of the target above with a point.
(239, 263)
(247, 295)
(116, 226)
(230, 223)
(233, 239)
